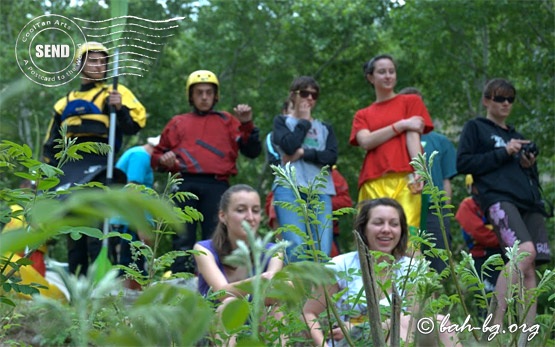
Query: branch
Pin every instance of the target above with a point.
(371, 290)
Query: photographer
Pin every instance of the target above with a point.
(503, 165)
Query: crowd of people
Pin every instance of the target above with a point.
(203, 145)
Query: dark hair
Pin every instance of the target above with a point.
(364, 216)
(368, 67)
(285, 106)
(302, 83)
(410, 90)
(499, 86)
(220, 239)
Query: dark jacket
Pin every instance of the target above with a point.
(497, 175)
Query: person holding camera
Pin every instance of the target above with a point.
(503, 165)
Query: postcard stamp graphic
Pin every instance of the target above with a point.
(45, 49)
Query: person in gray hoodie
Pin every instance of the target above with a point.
(308, 144)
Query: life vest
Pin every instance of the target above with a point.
(85, 118)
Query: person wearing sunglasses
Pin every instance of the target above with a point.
(507, 182)
(389, 131)
(308, 144)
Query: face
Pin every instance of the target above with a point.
(307, 95)
(243, 206)
(499, 109)
(384, 75)
(383, 230)
(203, 96)
(95, 66)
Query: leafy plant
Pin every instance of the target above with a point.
(464, 275)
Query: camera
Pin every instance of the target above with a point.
(530, 148)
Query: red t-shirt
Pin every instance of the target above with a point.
(392, 155)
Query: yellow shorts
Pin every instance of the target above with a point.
(395, 186)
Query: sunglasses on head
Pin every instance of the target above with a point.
(501, 99)
(305, 93)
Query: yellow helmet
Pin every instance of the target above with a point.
(468, 180)
(91, 46)
(202, 76)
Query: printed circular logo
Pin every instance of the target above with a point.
(46, 47)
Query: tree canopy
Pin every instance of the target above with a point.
(447, 49)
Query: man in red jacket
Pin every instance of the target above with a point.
(203, 146)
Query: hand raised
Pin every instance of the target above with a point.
(243, 113)
(302, 110)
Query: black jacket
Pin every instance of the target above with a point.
(497, 175)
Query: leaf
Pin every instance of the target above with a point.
(249, 342)
(101, 265)
(48, 183)
(17, 240)
(6, 301)
(235, 314)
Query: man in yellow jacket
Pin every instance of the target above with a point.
(86, 113)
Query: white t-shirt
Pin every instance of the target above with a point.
(348, 274)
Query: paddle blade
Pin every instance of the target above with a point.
(118, 13)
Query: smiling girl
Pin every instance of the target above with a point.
(382, 225)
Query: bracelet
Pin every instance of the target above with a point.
(395, 130)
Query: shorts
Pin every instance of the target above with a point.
(511, 224)
(395, 186)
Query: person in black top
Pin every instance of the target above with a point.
(506, 178)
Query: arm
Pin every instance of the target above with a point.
(130, 113)
(289, 141)
(249, 142)
(414, 148)
(53, 133)
(371, 139)
(473, 157)
(326, 157)
(312, 310)
(163, 158)
(448, 189)
(209, 269)
(413, 144)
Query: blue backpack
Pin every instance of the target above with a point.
(83, 118)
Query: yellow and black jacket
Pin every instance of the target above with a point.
(87, 116)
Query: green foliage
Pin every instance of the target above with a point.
(163, 315)
(235, 314)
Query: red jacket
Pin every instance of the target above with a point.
(471, 218)
(207, 144)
